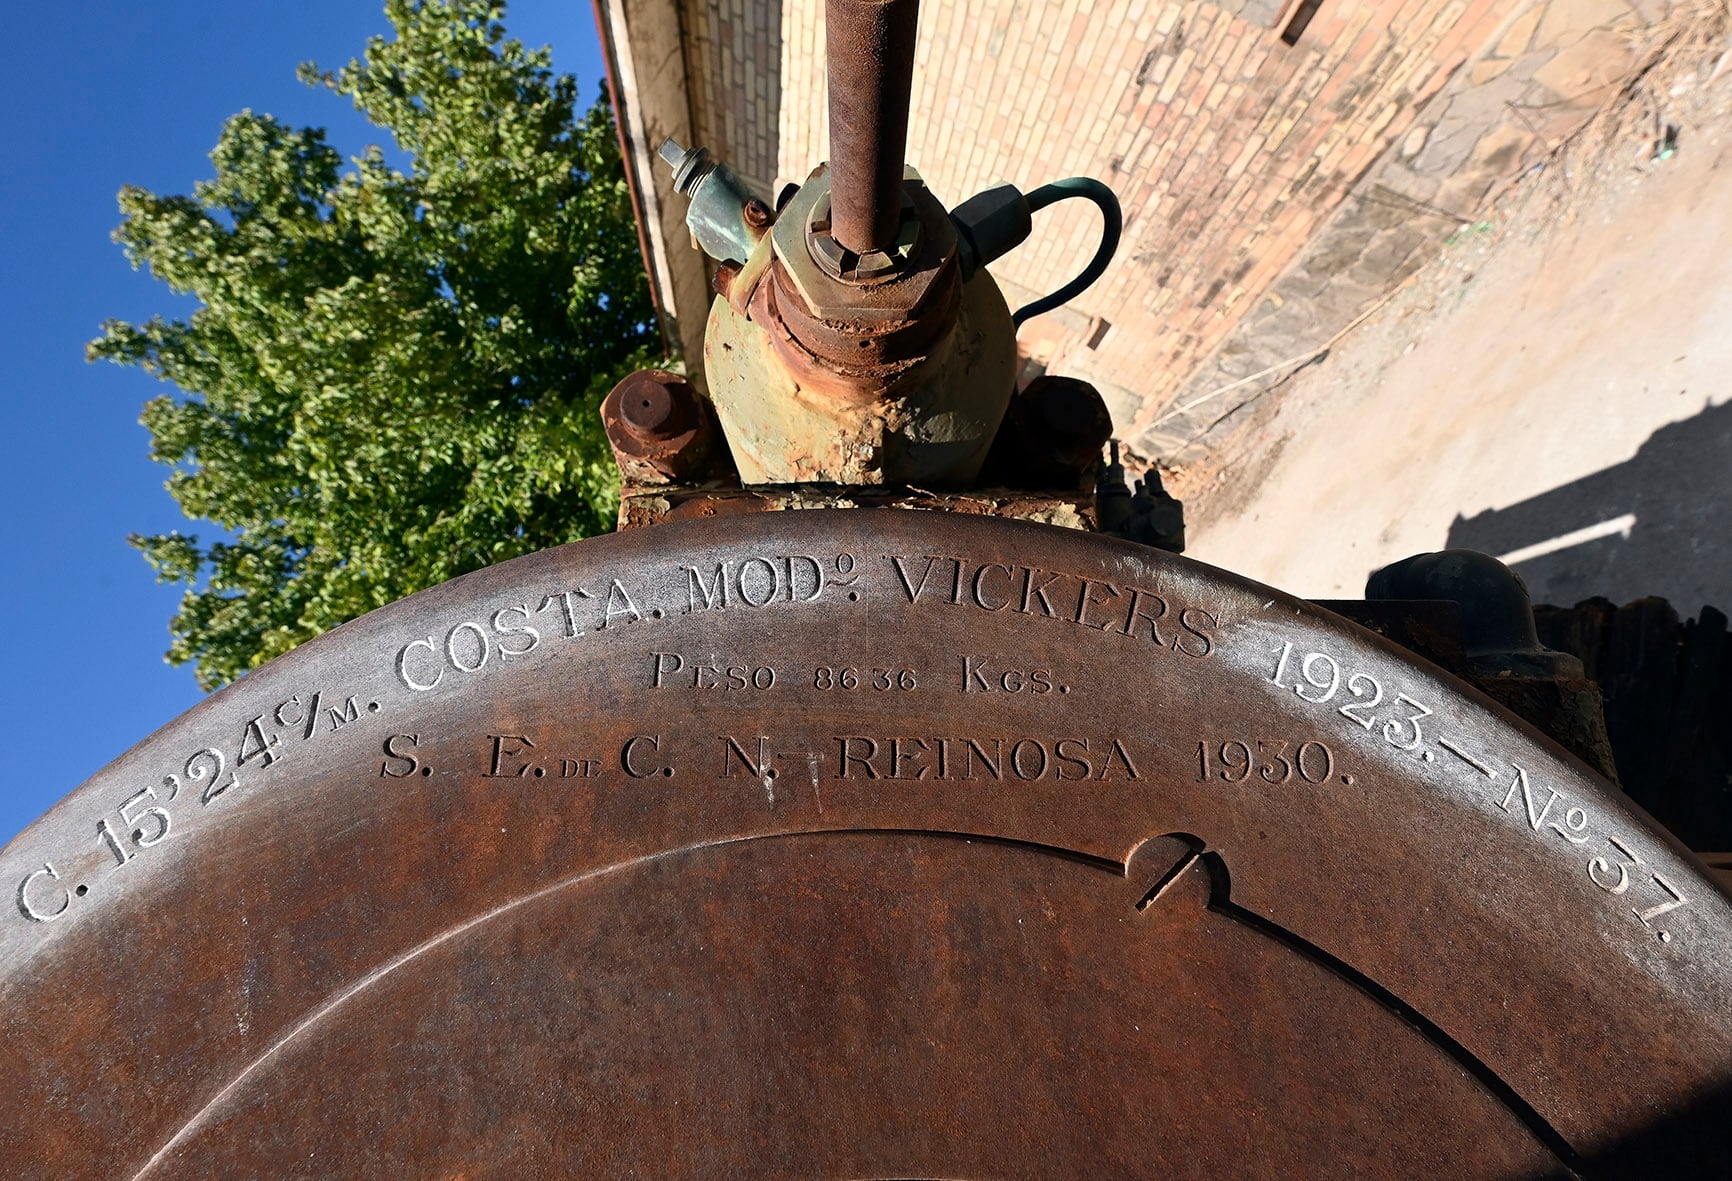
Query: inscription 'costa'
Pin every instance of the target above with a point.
(511, 632)
(1093, 603)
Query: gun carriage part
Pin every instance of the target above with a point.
(660, 428)
(848, 844)
(860, 341)
(857, 844)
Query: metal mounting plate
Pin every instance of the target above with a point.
(848, 844)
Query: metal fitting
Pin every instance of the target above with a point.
(1150, 516)
(871, 266)
(828, 297)
(727, 274)
(848, 327)
(758, 215)
(660, 427)
(1052, 436)
(1497, 617)
(1157, 516)
(724, 217)
(991, 224)
(1505, 659)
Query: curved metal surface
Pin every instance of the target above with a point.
(855, 844)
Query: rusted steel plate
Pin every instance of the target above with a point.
(862, 843)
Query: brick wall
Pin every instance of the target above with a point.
(735, 47)
(1542, 75)
(1230, 150)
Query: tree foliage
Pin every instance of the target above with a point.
(391, 377)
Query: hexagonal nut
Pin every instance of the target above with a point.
(870, 266)
(888, 300)
(991, 224)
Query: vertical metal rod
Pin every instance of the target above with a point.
(870, 57)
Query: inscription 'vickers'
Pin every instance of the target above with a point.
(1074, 598)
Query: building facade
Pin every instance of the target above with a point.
(1281, 163)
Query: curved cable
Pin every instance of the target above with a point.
(1107, 201)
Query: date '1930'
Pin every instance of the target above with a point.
(1274, 760)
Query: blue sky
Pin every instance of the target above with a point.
(129, 94)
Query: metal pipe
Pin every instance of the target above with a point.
(870, 57)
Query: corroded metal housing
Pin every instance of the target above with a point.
(847, 844)
(928, 420)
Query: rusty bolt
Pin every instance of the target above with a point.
(654, 410)
(991, 224)
(758, 215)
(1068, 414)
(659, 426)
(1052, 435)
(723, 282)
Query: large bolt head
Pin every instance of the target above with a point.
(658, 424)
(651, 408)
(902, 294)
(1052, 435)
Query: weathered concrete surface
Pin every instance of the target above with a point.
(1553, 66)
(1557, 389)
(644, 44)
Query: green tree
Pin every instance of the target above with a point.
(391, 377)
